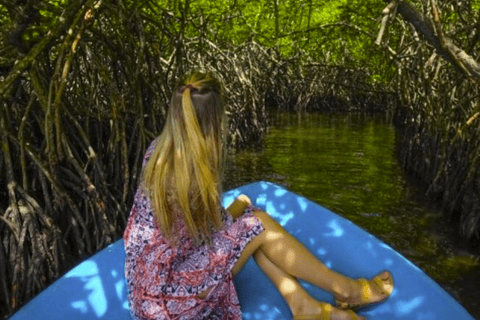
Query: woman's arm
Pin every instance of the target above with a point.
(237, 207)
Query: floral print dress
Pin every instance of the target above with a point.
(164, 280)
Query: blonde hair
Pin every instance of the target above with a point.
(187, 163)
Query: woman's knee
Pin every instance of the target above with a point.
(268, 222)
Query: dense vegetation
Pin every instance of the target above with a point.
(85, 87)
(437, 119)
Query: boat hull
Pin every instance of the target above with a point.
(96, 288)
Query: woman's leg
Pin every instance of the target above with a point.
(297, 298)
(290, 255)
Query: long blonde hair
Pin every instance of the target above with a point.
(188, 159)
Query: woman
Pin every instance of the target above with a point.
(183, 249)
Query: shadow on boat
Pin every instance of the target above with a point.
(94, 289)
(345, 248)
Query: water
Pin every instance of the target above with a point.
(347, 163)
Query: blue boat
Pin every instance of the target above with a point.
(96, 288)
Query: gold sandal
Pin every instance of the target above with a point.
(326, 314)
(381, 284)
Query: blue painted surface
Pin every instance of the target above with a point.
(96, 288)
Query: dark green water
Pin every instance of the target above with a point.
(347, 163)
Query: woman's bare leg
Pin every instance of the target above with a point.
(297, 298)
(290, 255)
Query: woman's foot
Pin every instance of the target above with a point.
(367, 292)
(324, 311)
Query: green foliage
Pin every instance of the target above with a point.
(339, 31)
(476, 5)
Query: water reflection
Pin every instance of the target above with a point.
(347, 163)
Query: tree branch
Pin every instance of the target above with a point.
(444, 46)
(387, 13)
(21, 65)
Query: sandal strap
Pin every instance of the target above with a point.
(367, 291)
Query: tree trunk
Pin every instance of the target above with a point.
(444, 45)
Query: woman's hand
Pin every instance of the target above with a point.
(237, 207)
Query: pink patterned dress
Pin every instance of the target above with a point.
(164, 280)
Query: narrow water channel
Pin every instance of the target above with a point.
(347, 163)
